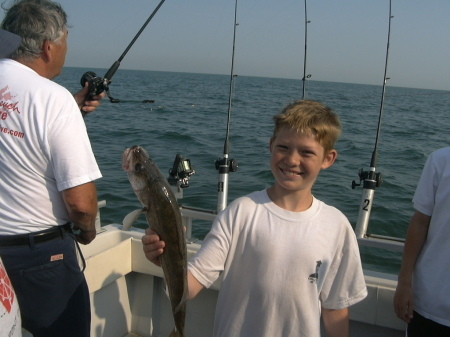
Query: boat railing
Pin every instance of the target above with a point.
(98, 223)
(383, 242)
(190, 214)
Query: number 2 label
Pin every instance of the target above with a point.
(366, 205)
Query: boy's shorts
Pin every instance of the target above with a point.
(424, 327)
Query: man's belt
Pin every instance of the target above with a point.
(37, 237)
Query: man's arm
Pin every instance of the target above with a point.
(81, 203)
(415, 240)
(336, 322)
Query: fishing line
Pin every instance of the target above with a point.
(97, 84)
(372, 179)
(226, 165)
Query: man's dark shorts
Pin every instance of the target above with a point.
(51, 289)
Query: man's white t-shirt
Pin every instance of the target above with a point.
(278, 267)
(44, 149)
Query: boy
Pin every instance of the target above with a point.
(285, 256)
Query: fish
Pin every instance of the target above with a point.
(163, 215)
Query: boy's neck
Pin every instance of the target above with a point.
(294, 201)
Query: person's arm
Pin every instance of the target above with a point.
(415, 240)
(194, 286)
(336, 322)
(86, 103)
(153, 247)
(82, 205)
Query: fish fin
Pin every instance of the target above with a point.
(174, 333)
(130, 218)
(183, 301)
(166, 290)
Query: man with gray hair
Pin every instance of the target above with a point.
(48, 171)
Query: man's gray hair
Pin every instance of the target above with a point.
(35, 21)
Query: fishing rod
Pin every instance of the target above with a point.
(226, 165)
(371, 179)
(304, 58)
(99, 84)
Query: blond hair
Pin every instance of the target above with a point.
(312, 118)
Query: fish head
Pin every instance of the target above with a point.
(133, 158)
(145, 177)
(135, 162)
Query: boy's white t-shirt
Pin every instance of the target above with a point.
(44, 149)
(279, 267)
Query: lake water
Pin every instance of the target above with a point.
(189, 116)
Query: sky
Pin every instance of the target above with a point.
(347, 39)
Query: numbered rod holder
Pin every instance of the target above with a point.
(224, 166)
(370, 181)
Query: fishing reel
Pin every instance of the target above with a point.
(181, 171)
(371, 179)
(97, 85)
(225, 165)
